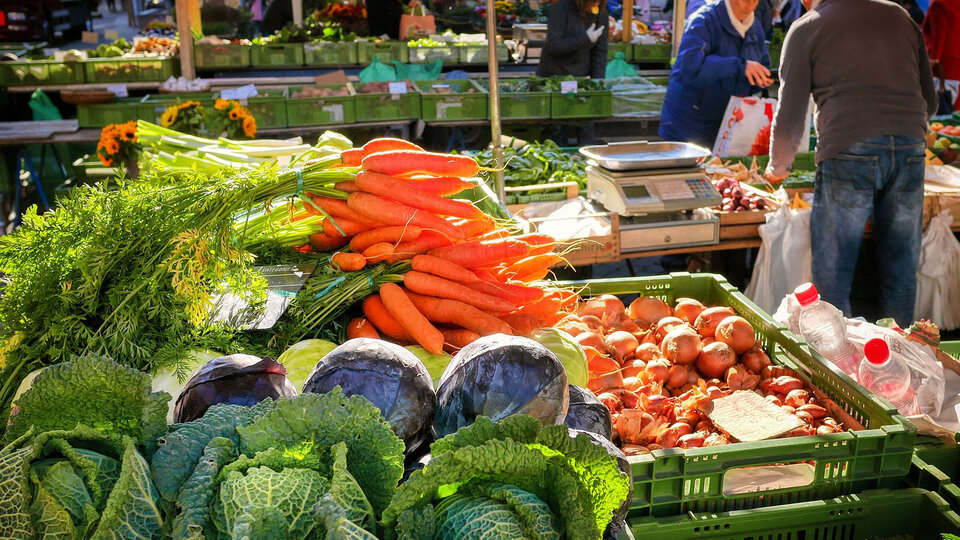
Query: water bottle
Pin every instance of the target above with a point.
(889, 376)
(823, 328)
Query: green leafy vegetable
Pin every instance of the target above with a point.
(538, 163)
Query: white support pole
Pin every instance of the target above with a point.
(297, 12)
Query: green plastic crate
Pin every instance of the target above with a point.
(480, 54)
(152, 106)
(384, 107)
(277, 55)
(467, 102)
(521, 105)
(141, 69)
(227, 56)
(330, 53)
(449, 54)
(386, 51)
(41, 72)
(675, 481)
(581, 104)
(89, 170)
(116, 112)
(615, 47)
(652, 52)
(269, 108)
(805, 161)
(321, 111)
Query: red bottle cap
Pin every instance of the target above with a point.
(806, 294)
(876, 351)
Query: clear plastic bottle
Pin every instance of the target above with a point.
(823, 328)
(889, 376)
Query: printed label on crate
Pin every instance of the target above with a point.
(120, 90)
(568, 87)
(397, 87)
(336, 112)
(242, 92)
(442, 108)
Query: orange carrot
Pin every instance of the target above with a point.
(354, 156)
(406, 313)
(407, 162)
(398, 190)
(443, 268)
(446, 311)
(535, 275)
(427, 241)
(342, 227)
(473, 228)
(568, 298)
(495, 234)
(392, 234)
(347, 262)
(439, 185)
(322, 242)
(532, 268)
(523, 323)
(361, 327)
(477, 253)
(347, 187)
(458, 338)
(378, 252)
(377, 314)
(547, 309)
(394, 213)
(516, 294)
(338, 209)
(431, 285)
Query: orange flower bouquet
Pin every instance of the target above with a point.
(231, 118)
(118, 144)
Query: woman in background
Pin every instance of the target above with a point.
(577, 35)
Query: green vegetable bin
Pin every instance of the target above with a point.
(89, 169)
(384, 107)
(465, 101)
(676, 481)
(449, 54)
(269, 108)
(226, 56)
(277, 55)
(140, 69)
(581, 104)
(321, 111)
(522, 105)
(40, 72)
(614, 47)
(805, 161)
(116, 112)
(387, 51)
(330, 53)
(652, 52)
(480, 54)
(152, 106)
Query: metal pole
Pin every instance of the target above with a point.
(186, 39)
(679, 18)
(297, 12)
(495, 97)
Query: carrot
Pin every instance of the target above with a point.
(406, 162)
(338, 209)
(523, 323)
(406, 313)
(568, 299)
(398, 190)
(347, 262)
(535, 275)
(516, 294)
(342, 227)
(394, 213)
(473, 228)
(392, 234)
(442, 268)
(431, 285)
(537, 239)
(439, 185)
(347, 187)
(446, 311)
(427, 241)
(354, 156)
(377, 314)
(547, 309)
(495, 234)
(378, 252)
(458, 338)
(321, 242)
(476, 253)
(532, 268)
(361, 327)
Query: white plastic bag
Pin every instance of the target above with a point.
(744, 119)
(938, 277)
(785, 260)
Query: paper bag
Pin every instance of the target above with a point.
(413, 26)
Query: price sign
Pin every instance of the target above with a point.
(119, 89)
(243, 92)
(398, 87)
(568, 87)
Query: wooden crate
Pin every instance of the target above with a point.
(592, 250)
(744, 224)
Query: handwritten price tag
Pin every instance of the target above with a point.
(568, 87)
(397, 87)
(243, 92)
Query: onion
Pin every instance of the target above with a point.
(715, 359)
(688, 310)
(797, 398)
(708, 320)
(573, 327)
(816, 411)
(681, 345)
(805, 416)
(592, 321)
(603, 382)
(668, 439)
(654, 404)
(755, 360)
(704, 341)
(647, 352)
(737, 333)
(649, 310)
(633, 368)
(693, 377)
(665, 325)
(613, 309)
(593, 307)
(621, 344)
(591, 339)
(677, 376)
(692, 440)
(632, 383)
(658, 370)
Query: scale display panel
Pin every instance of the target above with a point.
(643, 192)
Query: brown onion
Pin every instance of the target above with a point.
(654, 404)
(715, 359)
(591, 339)
(677, 376)
(816, 411)
(613, 309)
(688, 309)
(737, 333)
(692, 440)
(633, 368)
(755, 360)
(669, 437)
(592, 321)
(647, 352)
(649, 310)
(621, 344)
(658, 370)
(632, 383)
(681, 345)
(601, 364)
(599, 383)
(708, 320)
(573, 327)
(665, 325)
(797, 398)
(805, 416)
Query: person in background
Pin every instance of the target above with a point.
(913, 9)
(871, 121)
(941, 33)
(722, 54)
(577, 36)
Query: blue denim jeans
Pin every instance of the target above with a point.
(882, 178)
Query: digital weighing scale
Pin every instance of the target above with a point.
(659, 191)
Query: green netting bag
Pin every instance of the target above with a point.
(619, 68)
(377, 71)
(43, 109)
(419, 72)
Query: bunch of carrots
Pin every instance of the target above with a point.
(468, 277)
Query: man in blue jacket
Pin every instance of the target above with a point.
(722, 54)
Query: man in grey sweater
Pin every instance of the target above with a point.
(865, 63)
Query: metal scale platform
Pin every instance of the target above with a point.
(659, 192)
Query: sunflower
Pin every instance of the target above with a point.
(189, 104)
(105, 160)
(236, 113)
(249, 126)
(168, 117)
(221, 104)
(112, 147)
(128, 133)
